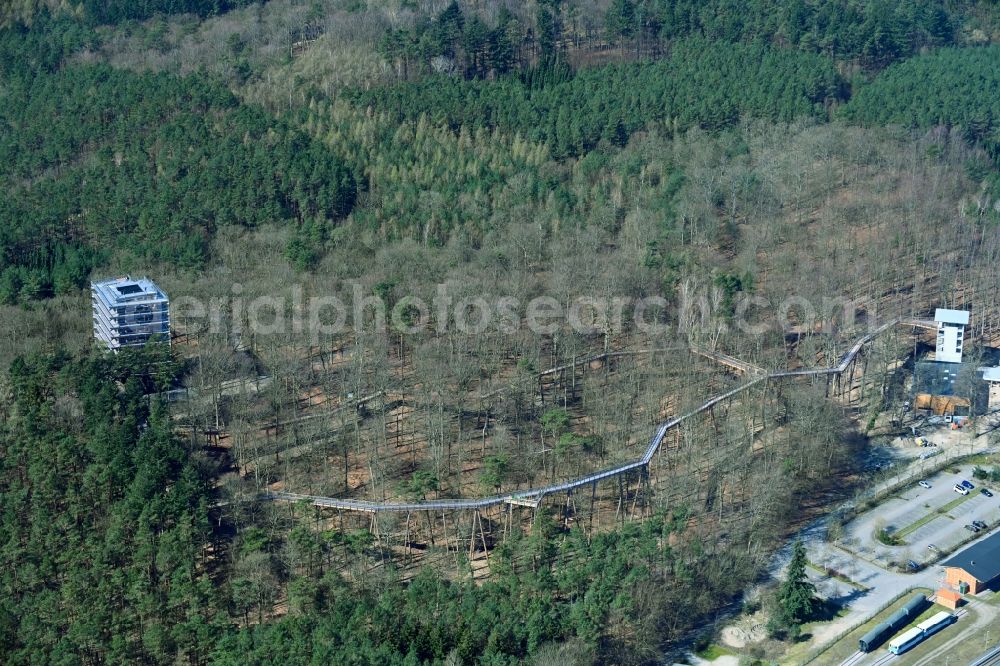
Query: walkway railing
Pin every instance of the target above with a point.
(535, 495)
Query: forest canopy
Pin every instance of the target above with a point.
(717, 152)
(871, 34)
(701, 83)
(107, 554)
(104, 514)
(949, 87)
(110, 12)
(98, 159)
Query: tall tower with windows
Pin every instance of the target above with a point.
(129, 313)
(950, 334)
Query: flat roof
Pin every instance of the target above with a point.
(935, 377)
(981, 560)
(951, 316)
(992, 374)
(128, 291)
(934, 620)
(906, 636)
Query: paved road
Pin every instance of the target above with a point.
(883, 586)
(913, 503)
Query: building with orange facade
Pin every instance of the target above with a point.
(975, 568)
(947, 598)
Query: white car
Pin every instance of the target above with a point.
(923, 484)
(960, 489)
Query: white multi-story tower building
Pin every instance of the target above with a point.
(129, 313)
(950, 334)
(992, 377)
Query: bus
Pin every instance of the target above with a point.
(936, 623)
(906, 640)
(897, 620)
(916, 634)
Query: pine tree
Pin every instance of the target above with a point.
(500, 51)
(620, 19)
(546, 26)
(474, 42)
(797, 600)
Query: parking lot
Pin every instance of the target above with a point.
(923, 517)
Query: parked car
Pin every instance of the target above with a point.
(980, 524)
(986, 492)
(931, 546)
(966, 484)
(960, 489)
(913, 565)
(923, 484)
(972, 528)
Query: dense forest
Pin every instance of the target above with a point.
(949, 88)
(102, 12)
(546, 603)
(870, 34)
(101, 501)
(684, 150)
(98, 12)
(704, 84)
(182, 152)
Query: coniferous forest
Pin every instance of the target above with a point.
(676, 149)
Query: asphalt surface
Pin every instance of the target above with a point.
(873, 586)
(945, 531)
(881, 587)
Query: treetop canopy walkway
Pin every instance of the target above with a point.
(533, 496)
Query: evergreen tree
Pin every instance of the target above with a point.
(474, 44)
(499, 52)
(620, 19)
(545, 24)
(796, 599)
(448, 29)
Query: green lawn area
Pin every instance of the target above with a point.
(848, 645)
(913, 527)
(940, 511)
(714, 651)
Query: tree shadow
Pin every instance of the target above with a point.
(827, 609)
